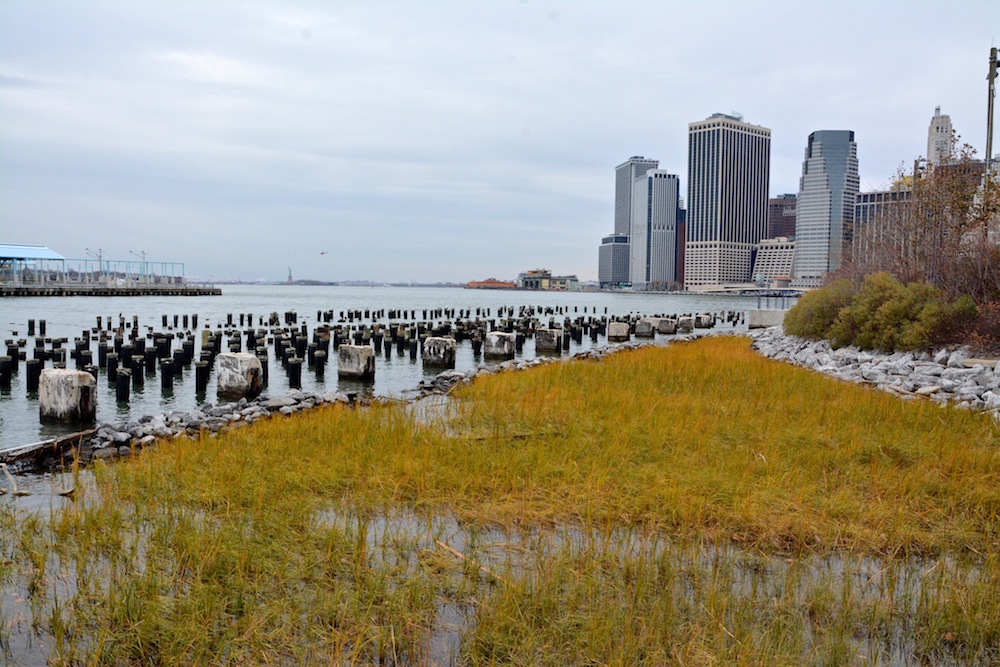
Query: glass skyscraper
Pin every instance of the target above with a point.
(824, 213)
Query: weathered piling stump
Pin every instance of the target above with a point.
(645, 327)
(239, 374)
(295, 373)
(547, 340)
(667, 325)
(167, 374)
(6, 370)
(33, 367)
(356, 362)
(122, 383)
(618, 332)
(111, 366)
(201, 374)
(67, 396)
(439, 352)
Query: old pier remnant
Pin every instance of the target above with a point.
(239, 374)
(356, 362)
(439, 351)
(67, 396)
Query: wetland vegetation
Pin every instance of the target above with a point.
(691, 505)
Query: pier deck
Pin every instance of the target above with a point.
(108, 290)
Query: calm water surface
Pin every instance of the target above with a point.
(68, 317)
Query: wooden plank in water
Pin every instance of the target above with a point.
(38, 449)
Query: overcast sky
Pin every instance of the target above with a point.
(426, 141)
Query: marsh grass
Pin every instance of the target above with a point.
(692, 505)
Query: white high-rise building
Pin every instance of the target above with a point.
(824, 212)
(729, 165)
(625, 175)
(939, 137)
(655, 206)
(613, 257)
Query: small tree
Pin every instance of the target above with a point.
(943, 228)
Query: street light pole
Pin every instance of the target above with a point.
(142, 255)
(98, 255)
(991, 93)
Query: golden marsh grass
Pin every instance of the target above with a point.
(690, 505)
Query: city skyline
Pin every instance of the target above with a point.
(437, 142)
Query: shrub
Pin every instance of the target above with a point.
(816, 311)
(883, 315)
(982, 330)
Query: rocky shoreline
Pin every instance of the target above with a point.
(947, 376)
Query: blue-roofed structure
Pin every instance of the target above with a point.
(35, 270)
(15, 251)
(31, 264)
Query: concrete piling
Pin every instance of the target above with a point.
(547, 340)
(239, 374)
(438, 351)
(618, 332)
(500, 345)
(67, 396)
(355, 362)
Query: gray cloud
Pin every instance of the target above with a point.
(431, 141)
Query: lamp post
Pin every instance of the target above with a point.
(98, 255)
(142, 255)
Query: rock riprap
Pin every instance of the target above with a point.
(946, 376)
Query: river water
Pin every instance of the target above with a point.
(68, 317)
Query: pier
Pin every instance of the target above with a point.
(108, 290)
(33, 270)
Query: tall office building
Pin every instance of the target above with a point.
(729, 165)
(939, 137)
(824, 214)
(625, 175)
(781, 216)
(611, 269)
(612, 261)
(655, 213)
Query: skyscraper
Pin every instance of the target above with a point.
(781, 216)
(625, 175)
(824, 215)
(655, 208)
(612, 261)
(729, 164)
(938, 137)
(611, 269)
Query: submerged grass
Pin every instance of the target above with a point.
(692, 505)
